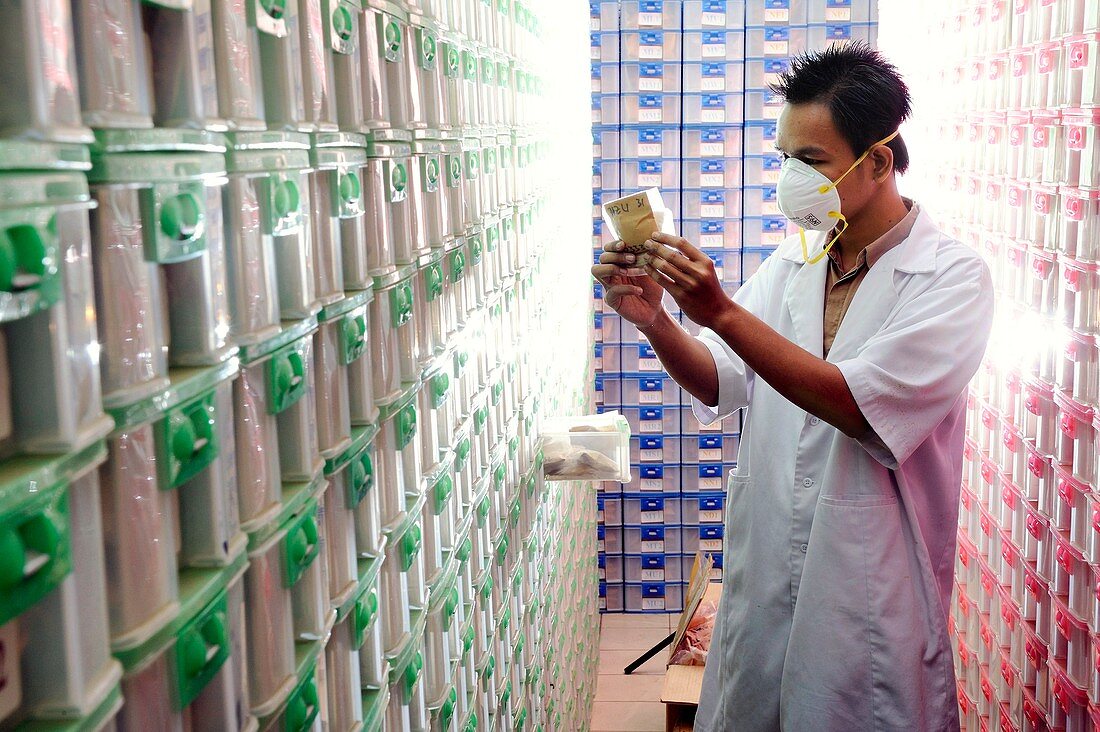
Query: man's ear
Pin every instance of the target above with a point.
(882, 160)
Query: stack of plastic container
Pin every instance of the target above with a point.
(1011, 170)
(717, 168)
(319, 263)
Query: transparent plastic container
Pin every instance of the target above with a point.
(208, 505)
(51, 367)
(390, 311)
(398, 458)
(331, 383)
(138, 538)
(1082, 154)
(714, 77)
(396, 67)
(1080, 224)
(345, 700)
(310, 591)
(300, 457)
(269, 621)
(39, 63)
(709, 109)
(373, 665)
(223, 703)
(148, 691)
(393, 598)
(67, 667)
(337, 220)
(340, 549)
(257, 442)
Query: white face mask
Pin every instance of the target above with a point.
(810, 199)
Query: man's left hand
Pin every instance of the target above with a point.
(689, 276)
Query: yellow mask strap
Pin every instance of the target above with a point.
(825, 188)
(827, 247)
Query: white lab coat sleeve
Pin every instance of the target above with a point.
(735, 378)
(907, 376)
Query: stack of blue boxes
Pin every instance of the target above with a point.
(680, 102)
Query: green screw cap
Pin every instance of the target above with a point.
(443, 488)
(13, 558)
(275, 8)
(410, 545)
(181, 217)
(458, 265)
(433, 280)
(399, 177)
(350, 187)
(447, 711)
(342, 23)
(465, 549)
(406, 426)
(287, 199)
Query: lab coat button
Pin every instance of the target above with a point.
(804, 547)
(808, 482)
(815, 421)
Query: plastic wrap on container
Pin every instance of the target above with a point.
(309, 592)
(38, 73)
(67, 667)
(149, 703)
(281, 65)
(237, 61)
(198, 298)
(299, 453)
(318, 82)
(129, 300)
(224, 704)
(331, 380)
(328, 266)
(250, 265)
(54, 371)
(375, 32)
(270, 625)
(259, 477)
(209, 516)
(138, 539)
(345, 698)
(115, 85)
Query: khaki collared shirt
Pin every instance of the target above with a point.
(841, 286)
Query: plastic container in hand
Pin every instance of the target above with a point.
(67, 667)
(39, 73)
(139, 540)
(51, 360)
(588, 448)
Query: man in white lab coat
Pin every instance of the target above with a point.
(851, 348)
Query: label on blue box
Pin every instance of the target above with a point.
(651, 448)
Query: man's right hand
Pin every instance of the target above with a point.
(628, 290)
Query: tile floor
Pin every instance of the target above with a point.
(631, 703)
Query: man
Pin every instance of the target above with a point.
(851, 348)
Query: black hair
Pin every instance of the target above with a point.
(864, 92)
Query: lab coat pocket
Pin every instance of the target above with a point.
(857, 640)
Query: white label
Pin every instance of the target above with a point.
(598, 360)
(599, 517)
(596, 53)
(653, 575)
(777, 15)
(599, 336)
(714, 19)
(713, 115)
(714, 50)
(711, 545)
(598, 305)
(713, 211)
(597, 86)
(772, 112)
(718, 271)
(710, 456)
(772, 78)
(650, 52)
(772, 176)
(653, 603)
(776, 48)
(710, 517)
(649, 83)
(716, 427)
(597, 181)
(649, 115)
(653, 547)
(652, 427)
(649, 180)
(649, 397)
(603, 603)
(596, 121)
(649, 364)
(651, 484)
(716, 574)
(594, 24)
(711, 240)
(770, 208)
(716, 180)
(650, 20)
(653, 456)
(712, 149)
(710, 484)
(650, 149)
(837, 14)
(653, 517)
(602, 574)
(773, 238)
(599, 545)
(714, 83)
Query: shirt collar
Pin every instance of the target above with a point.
(874, 251)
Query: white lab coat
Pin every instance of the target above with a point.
(839, 554)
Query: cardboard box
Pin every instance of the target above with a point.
(683, 684)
